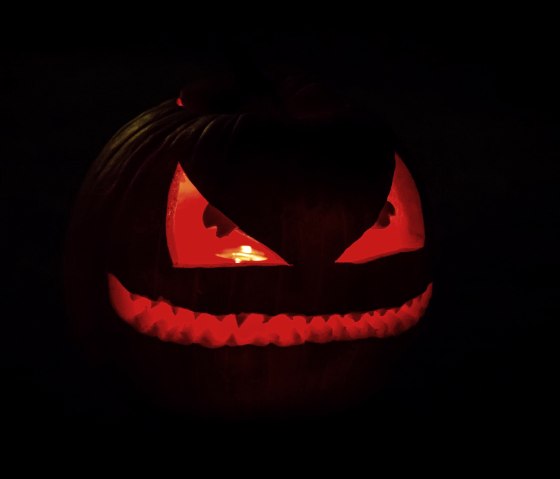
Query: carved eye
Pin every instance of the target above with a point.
(199, 235)
(399, 227)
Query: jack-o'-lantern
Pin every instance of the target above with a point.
(227, 231)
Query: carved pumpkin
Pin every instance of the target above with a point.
(246, 218)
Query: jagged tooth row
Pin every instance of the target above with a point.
(180, 325)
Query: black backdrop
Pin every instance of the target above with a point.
(479, 116)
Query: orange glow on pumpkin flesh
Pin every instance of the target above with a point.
(180, 325)
(195, 241)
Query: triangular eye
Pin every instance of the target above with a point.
(199, 235)
(399, 227)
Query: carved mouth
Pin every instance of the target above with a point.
(166, 322)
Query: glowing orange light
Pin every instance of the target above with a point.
(191, 243)
(243, 253)
(405, 231)
(181, 325)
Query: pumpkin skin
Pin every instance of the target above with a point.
(182, 192)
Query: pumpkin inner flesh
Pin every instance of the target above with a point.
(181, 325)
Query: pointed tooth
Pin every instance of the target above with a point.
(186, 316)
(318, 317)
(377, 323)
(252, 322)
(163, 309)
(300, 329)
(209, 331)
(229, 323)
(251, 330)
(280, 326)
(126, 305)
(391, 320)
(406, 315)
(349, 327)
(335, 324)
(319, 332)
(362, 327)
(367, 318)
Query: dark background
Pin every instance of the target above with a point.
(477, 114)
